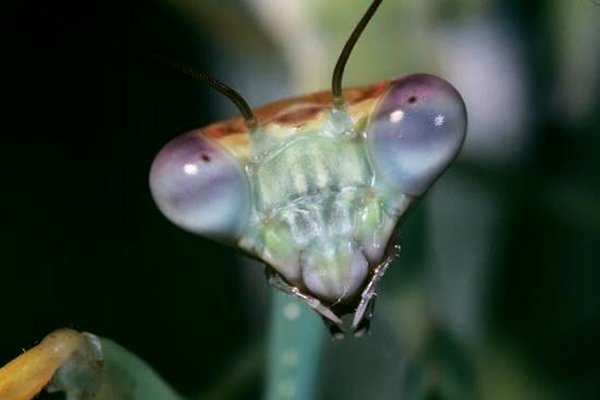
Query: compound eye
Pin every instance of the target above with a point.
(417, 130)
(199, 186)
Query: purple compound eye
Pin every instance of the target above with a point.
(200, 187)
(417, 130)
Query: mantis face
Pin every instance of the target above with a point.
(316, 191)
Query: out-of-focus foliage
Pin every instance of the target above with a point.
(494, 295)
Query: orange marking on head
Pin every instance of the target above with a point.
(295, 111)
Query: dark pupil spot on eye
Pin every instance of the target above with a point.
(205, 157)
(412, 99)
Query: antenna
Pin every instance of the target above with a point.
(338, 72)
(235, 97)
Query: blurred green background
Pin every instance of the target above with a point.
(495, 293)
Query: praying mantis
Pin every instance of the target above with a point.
(314, 187)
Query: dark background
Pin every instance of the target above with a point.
(82, 244)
